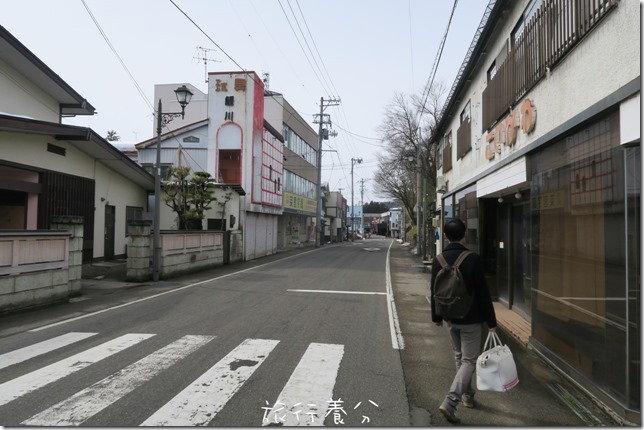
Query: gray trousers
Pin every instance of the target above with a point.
(466, 344)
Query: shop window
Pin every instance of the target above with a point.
(581, 254)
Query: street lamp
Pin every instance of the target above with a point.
(353, 228)
(183, 97)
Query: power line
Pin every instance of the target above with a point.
(302, 48)
(316, 47)
(231, 58)
(107, 40)
(436, 62)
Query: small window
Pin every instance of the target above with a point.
(529, 12)
(56, 149)
(491, 72)
(466, 113)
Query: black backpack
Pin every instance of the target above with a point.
(452, 300)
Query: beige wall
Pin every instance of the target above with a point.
(31, 150)
(607, 59)
(22, 98)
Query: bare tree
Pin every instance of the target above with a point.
(406, 129)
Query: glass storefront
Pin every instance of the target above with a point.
(585, 212)
(466, 207)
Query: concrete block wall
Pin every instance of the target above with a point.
(44, 287)
(139, 251)
(236, 246)
(179, 264)
(74, 225)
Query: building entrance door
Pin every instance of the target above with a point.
(519, 258)
(110, 216)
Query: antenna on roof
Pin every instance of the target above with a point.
(204, 57)
(267, 81)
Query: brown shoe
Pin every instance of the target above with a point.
(448, 413)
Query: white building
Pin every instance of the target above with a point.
(230, 139)
(540, 140)
(48, 168)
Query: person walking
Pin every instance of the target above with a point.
(465, 334)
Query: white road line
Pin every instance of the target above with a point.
(304, 399)
(168, 292)
(29, 352)
(25, 384)
(397, 340)
(198, 403)
(339, 292)
(76, 409)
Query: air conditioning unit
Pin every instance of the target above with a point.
(440, 184)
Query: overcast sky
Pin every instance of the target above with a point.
(361, 51)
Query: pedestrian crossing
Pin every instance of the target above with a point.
(304, 399)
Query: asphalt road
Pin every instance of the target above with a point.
(300, 339)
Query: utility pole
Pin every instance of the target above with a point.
(362, 204)
(419, 192)
(353, 228)
(323, 134)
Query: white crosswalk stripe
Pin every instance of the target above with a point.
(86, 403)
(20, 386)
(304, 399)
(28, 352)
(198, 404)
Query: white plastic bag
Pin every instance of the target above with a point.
(495, 368)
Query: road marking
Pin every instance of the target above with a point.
(304, 399)
(397, 340)
(168, 292)
(29, 352)
(86, 403)
(198, 403)
(25, 384)
(339, 292)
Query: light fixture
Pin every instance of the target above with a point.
(500, 200)
(184, 95)
(518, 195)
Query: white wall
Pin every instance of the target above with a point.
(31, 150)
(21, 97)
(197, 109)
(599, 65)
(117, 191)
(260, 235)
(177, 152)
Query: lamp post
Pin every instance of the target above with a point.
(183, 97)
(353, 228)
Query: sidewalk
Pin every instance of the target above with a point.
(429, 367)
